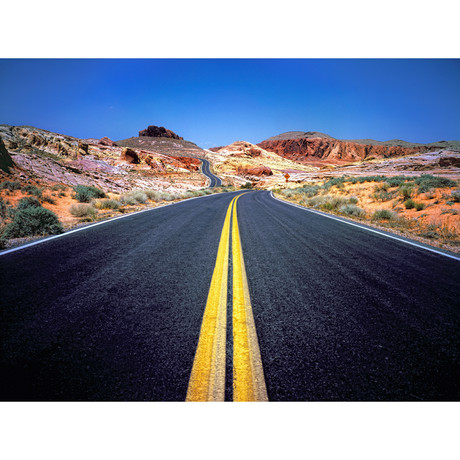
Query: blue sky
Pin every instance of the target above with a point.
(214, 102)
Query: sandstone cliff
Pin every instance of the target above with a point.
(317, 148)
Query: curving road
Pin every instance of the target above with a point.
(115, 311)
(214, 180)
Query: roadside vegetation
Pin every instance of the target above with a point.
(426, 207)
(29, 210)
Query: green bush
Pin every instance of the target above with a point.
(384, 214)
(32, 190)
(4, 208)
(353, 200)
(31, 221)
(419, 206)
(28, 202)
(406, 192)
(409, 204)
(83, 210)
(309, 191)
(383, 195)
(11, 186)
(397, 181)
(427, 182)
(85, 193)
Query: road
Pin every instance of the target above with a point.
(214, 180)
(216, 298)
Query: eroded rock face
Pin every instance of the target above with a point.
(6, 163)
(333, 150)
(130, 156)
(159, 131)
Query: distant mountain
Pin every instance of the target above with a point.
(315, 147)
(298, 135)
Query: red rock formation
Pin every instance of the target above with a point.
(305, 150)
(192, 164)
(159, 131)
(257, 171)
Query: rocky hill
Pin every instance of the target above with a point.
(35, 155)
(318, 149)
(158, 139)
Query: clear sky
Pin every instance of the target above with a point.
(214, 102)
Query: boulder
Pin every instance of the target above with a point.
(107, 142)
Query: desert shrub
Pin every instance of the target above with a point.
(352, 210)
(406, 191)
(309, 191)
(169, 196)
(106, 204)
(427, 181)
(58, 188)
(382, 187)
(327, 202)
(353, 200)
(334, 181)
(383, 195)
(134, 197)
(83, 210)
(154, 195)
(33, 221)
(455, 196)
(397, 181)
(409, 204)
(48, 199)
(10, 185)
(419, 206)
(32, 190)
(246, 185)
(3, 208)
(28, 202)
(384, 214)
(85, 193)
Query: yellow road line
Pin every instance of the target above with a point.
(248, 375)
(207, 379)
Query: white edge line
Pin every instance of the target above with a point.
(365, 228)
(28, 245)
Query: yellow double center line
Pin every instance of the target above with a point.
(207, 379)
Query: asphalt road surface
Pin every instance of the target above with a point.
(114, 312)
(214, 180)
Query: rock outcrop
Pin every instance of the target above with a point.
(106, 141)
(159, 131)
(130, 156)
(6, 163)
(306, 150)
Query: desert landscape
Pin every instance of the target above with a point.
(409, 189)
